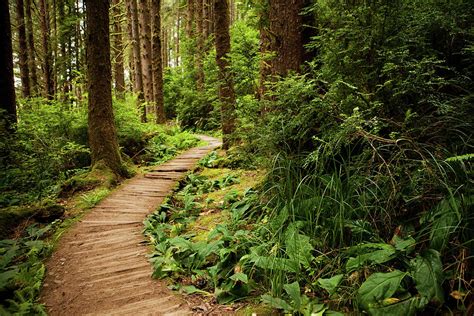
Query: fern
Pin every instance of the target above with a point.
(460, 158)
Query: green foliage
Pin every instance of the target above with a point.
(22, 271)
(200, 109)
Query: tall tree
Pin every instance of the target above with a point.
(200, 45)
(47, 53)
(226, 82)
(102, 132)
(190, 19)
(7, 86)
(157, 62)
(31, 48)
(132, 5)
(23, 49)
(145, 49)
(285, 23)
(119, 72)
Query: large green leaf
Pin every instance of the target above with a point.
(277, 303)
(427, 271)
(330, 284)
(384, 254)
(293, 291)
(379, 286)
(298, 247)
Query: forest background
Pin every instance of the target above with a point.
(360, 111)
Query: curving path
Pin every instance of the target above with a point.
(100, 266)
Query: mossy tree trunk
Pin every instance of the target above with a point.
(7, 87)
(226, 82)
(102, 132)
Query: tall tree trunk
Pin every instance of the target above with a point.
(145, 41)
(54, 48)
(206, 25)
(286, 27)
(137, 55)
(31, 49)
(7, 85)
(165, 49)
(190, 19)
(283, 36)
(102, 132)
(119, 72)
(200, 45)
(178, 25)
(131, 59)
(47, 56)
(226, 82)
(157, 62)
(23, 49)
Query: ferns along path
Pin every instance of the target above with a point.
(100, 266)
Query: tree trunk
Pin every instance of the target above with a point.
(206, 28)
(23, 50)
(137, 55)
(31, 49)
(131, 59)
(165, 49)
(102, 133)
(7, 85)
(286, 28)
(145, 49)
(178, 25)
(226, 83)
(157, 62)
(119, 72)
(47, 56)
(190, 19)
(200, 45)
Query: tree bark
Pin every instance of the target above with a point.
(178, 26)
(119, 71)
(286, 28)
(226, 82)
(102, 132)
(31, 49)
(157, 62)
(130, 42)
(190, 19)
(47, 55)
(200, 45)
(138, 60)
(165, 49)
(145, 49)
(7, 85)
(23, 49)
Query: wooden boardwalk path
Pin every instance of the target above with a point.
(100, 266)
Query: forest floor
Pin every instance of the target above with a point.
(100, 266)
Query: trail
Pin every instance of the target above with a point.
(100, 266)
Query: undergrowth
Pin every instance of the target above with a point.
(308, 242)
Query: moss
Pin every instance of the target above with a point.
(205, 223)
(258, 310)
(100, 175)
(12, 217)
